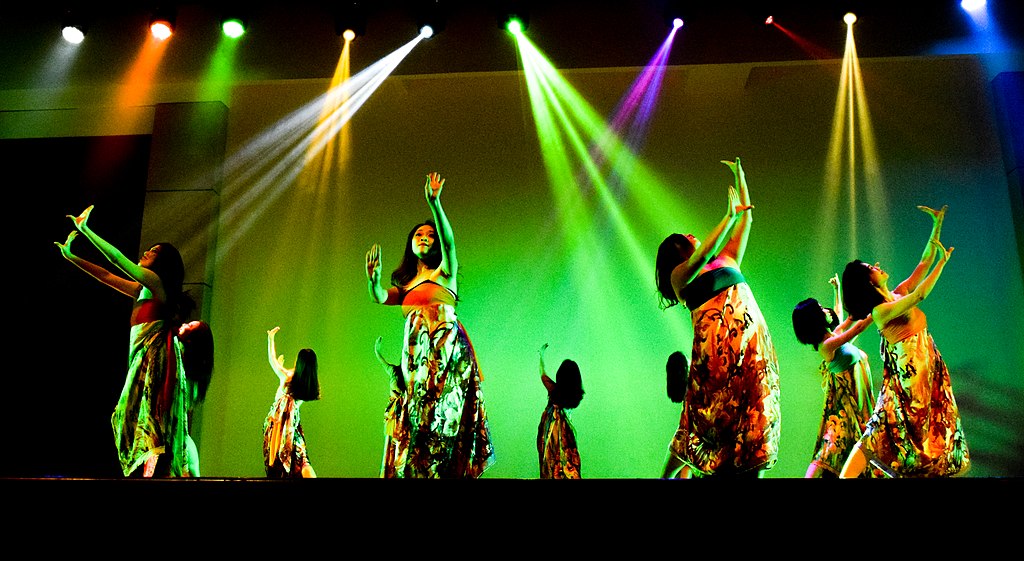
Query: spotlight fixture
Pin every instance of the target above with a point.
(673, 14)
(233, 27)
(73, 28)
(514, 16)
(431, 16)
(769, 20)
(162, 23)
(850, 18)
(350, 20)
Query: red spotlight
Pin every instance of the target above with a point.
(769, 21)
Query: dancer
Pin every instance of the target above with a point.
(730, 423)
(915, 428)
(846, 379)
(556, 437)
(396, 427)
(152, 418)
(447, 425)
(284, 444)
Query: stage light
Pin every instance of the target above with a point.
(672, 13)
(513, 16)
(972, 5)
(233, 27)
(162, 23)
(769, 20)
(73, 28)
(431, 16)
(850, 18)
(515, 26)
(350, 20)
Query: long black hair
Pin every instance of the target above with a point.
(170, 267)
(860, 296)
(305, 384)
(568, 390)
(407, 268)
(197, 354)
(671, 252)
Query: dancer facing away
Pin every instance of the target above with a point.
(152, 418)
(284, 444)
(846, 379)
(446, 420)
(556, 438)
(396, 427)
(915, 428)
(730, 423)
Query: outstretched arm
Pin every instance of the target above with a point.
(136, 272)
(736, 245)
(120, 284)
(377, 292)
(276, 362)
(549, 384)
(886, 311)
(710, 247)
(432, 190)
(929, 253)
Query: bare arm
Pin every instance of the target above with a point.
(136, 272)
(929, 253)
(549, 384)
(449, 262)
(276, 362)
(688, 270)
(120, 284)
(373, 271)
(736, 245)
(886, 311)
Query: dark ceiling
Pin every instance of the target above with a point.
(297, 40)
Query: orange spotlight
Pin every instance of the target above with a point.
(162, 24)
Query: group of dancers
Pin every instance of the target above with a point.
(435, 420)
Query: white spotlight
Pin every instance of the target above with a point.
(426, 32)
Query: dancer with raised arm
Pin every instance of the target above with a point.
(845, 379)
(447, 423)
(915, 429)
(557, 450)
(152, 418)
(284, 443)
(731, 422)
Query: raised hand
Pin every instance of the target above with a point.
(373, 263)
(740, 179)
(83, 218)
(272, 332)
(65, 248)
(937, 215)
(943, 252)
(432, 189)
(834, 281)
(735, 207)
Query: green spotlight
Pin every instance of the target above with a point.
(514, 25)
(233, 27)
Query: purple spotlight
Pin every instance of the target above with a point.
(677, 23)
